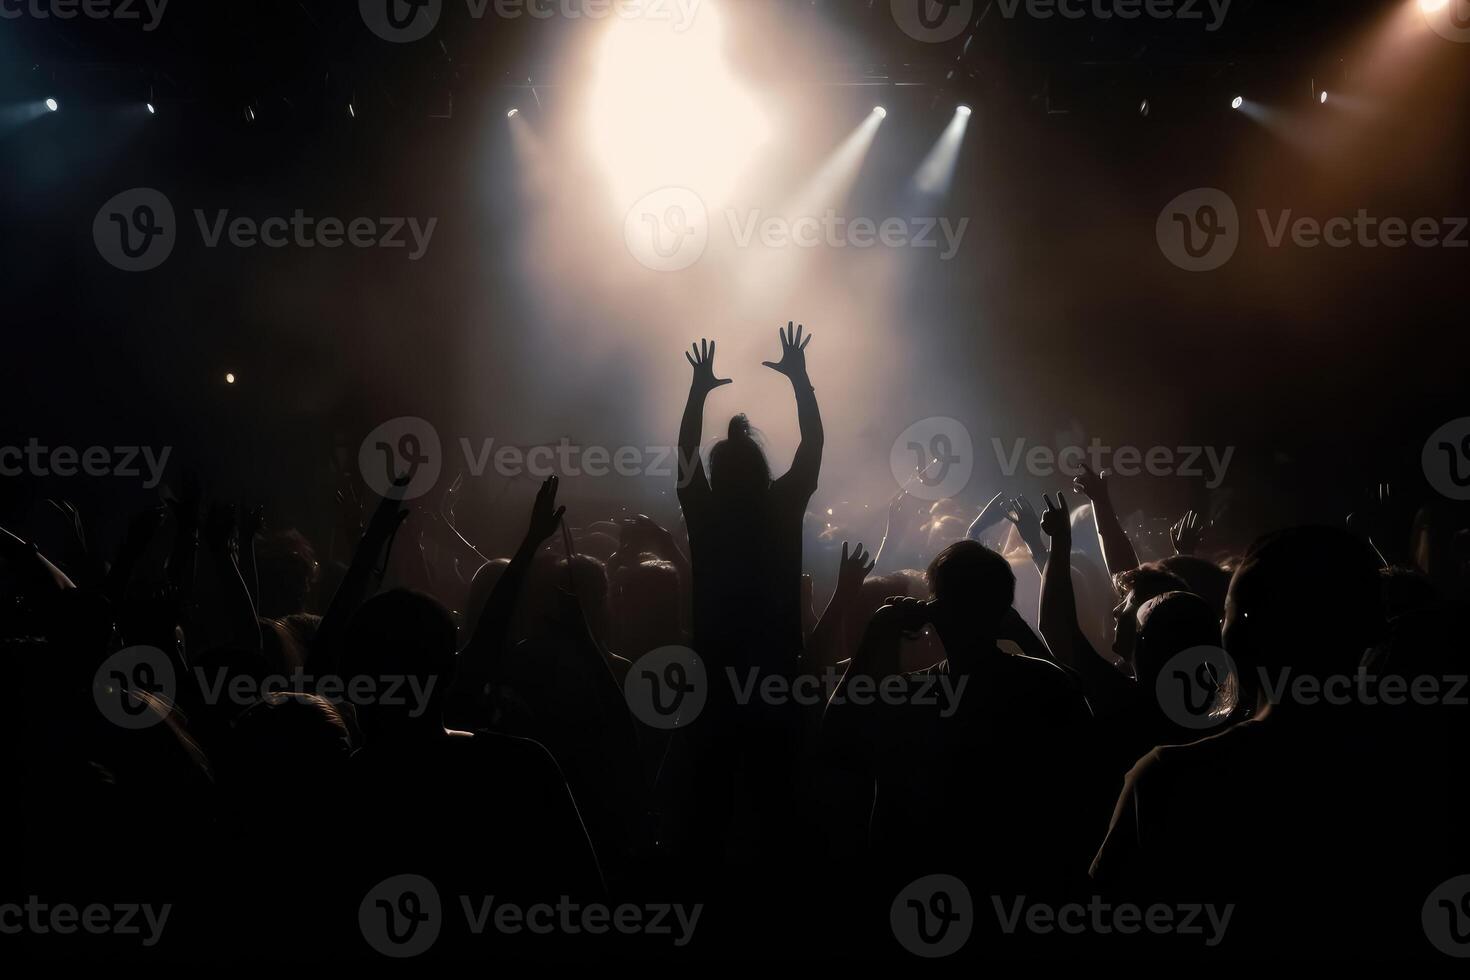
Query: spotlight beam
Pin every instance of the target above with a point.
(936, 174)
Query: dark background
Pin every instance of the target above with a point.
(1326, 368)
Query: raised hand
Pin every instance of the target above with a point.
(1019, 512)
(1056, 521)
(853, 569)
(990, 515)
(701, 357)
(1093, 486)
(1186, 533)
(545, 515)
(793, 352)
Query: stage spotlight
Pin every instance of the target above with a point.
(880, 112)
(512, 113)
(1432, 6)
(149, 106)
(936, 173)
(249, 114)
(229, 378)
(52, 105)
(1237, 102)
(1323, 98)
(351, 110)
(699, 134)
(1144, 108)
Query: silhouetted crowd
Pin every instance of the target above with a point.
(626, 740)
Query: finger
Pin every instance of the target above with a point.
(807, 341)
(796, 340)
(868, 568)
(712, 351)
(844, 552)
(771, 364)
(690, 360)
(722, 381)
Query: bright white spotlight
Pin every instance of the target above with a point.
(1144, 108)
(667, 111)
(512, 113)
(351, 110)
(51, 104)
(936, 173)
(1432, 6)
(151, 111)
(1237, 102)
(880, 112)
(1323, 99)
(249, 114)
(229, 378)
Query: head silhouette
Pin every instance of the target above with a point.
(405, 643)
(1170, 624)
(737, 465)
(972, 587)
(1308, 599)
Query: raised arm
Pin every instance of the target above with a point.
(1117, 550)
(808, 461)
(362, 579)
(992, 514)
(477, 660)
(1104, 686)
(1018, 511)
(701, 358)
(829, 643)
